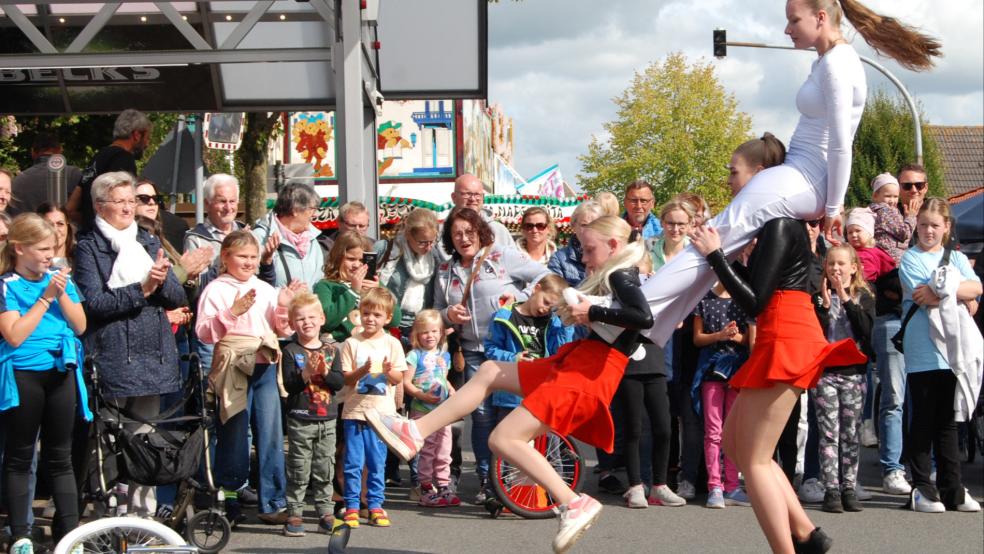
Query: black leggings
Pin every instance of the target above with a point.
(47, 403)
(645, 395)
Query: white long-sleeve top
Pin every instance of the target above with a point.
(830, 103)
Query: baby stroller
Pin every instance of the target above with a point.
(170, 453)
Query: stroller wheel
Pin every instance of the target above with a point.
(209, 530)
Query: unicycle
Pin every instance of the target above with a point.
(516, 492)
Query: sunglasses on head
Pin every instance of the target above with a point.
(150, 199)
(537, 226)
(920, 185)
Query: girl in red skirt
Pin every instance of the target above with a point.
(568, 392)
(789, 355)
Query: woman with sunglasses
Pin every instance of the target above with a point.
(538, 234)
(813, 180)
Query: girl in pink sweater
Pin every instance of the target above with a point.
(237, 305)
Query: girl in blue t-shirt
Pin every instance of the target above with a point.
(40, 378)
(931, 381)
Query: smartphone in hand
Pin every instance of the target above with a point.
(369, 258)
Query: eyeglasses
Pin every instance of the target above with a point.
(919, 185)
(471, 194)
(537, 226)
(639, 201)
(121, 203)
(148, 199)
(423, 243)
(465, 234)
(674, 225)
(359, 227)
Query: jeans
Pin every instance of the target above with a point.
(872, 379)
(363, 449)
(891, 369)
(310, 457)
(483, 418)
(232, 448)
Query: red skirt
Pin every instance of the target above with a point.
(571, 391)
(790, 347)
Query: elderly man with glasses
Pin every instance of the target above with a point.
(469, 192)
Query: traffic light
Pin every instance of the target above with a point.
(720, 43)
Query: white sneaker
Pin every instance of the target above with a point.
(635, 497)
(895, 483)
(861, 492)
(575, 518)
(686, 490)
(869, 438)
(811, 491)
(919, 503)
(969, 504)
(664, 496)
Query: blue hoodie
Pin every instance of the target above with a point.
(504, 342)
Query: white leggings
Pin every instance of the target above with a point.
(676, 288)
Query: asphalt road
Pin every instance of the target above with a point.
(882, 527)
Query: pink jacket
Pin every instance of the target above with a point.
(875, 262)
(215, 318)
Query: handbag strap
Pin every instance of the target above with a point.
(471, 278)
(912, 309)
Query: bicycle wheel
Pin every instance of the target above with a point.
(521, 495)
(114, 535)
(209, 530)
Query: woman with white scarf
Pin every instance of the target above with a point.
(407, 264)
(127, 286)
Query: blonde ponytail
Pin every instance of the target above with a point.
(631, 253)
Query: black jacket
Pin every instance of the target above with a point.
(633, 315)
(311, 402)
(861, 316)
(128, 335)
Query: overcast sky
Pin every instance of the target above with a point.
(555, 65)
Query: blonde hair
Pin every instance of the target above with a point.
(612, 227)
(302, 300)
(420, 219)
(678, 205)
(378, 298)
(552, 283)
(858, 285)
(886, 35)
(25, 230)
(427, 317)
(698, 205)
(608, 202)
(234, 241)
(343, 243)
(934, 205)
(588, 207)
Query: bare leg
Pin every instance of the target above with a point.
(752, 430)
(510, 440)
(491, 376)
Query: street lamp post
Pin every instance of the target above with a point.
(720, 50)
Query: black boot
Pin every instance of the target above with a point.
(817, 543)
(832, 502)
(849, 499)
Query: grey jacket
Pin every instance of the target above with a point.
(503, 238)
(504, 271)
(287, 262)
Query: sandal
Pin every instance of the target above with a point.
(378, 518)
(351, 518)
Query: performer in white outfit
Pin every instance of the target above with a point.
(813, 180)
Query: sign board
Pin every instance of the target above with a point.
(224, 131)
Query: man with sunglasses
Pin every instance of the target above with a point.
(913, 186)
(131, 136)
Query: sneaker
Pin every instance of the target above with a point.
(715, 499)
(661, 495)
(399, 433)
(895, 483)
(850, 502)
(22, 546)
(416, 493)
(919, 503)
(248, 497)
(832, 502)
(611, 484)
(294, 527)
(379, 518)
(686, 490)
(737, 497)
(969, 504)
(862, 493)
(394, 482)
(450, 496)
(811, 491)
(351, 518)
(576, 517)
(326, 524)
(869, 438)
(164, 511)
(635, 497)
(433, 500)
(273, 518)
(483, 491)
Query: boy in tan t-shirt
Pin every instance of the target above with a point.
(373, 363)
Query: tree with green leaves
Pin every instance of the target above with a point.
(885, 141)
(676, 127)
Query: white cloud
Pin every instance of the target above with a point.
(555, 65)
